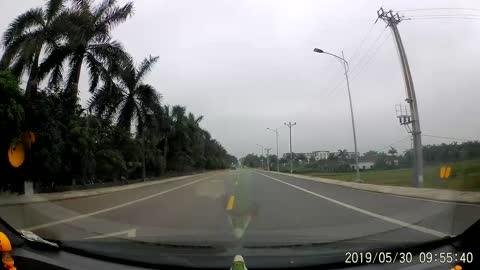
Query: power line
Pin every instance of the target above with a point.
(341, 81)
(450, 138)
(362, 42)
(443, 15)
(366, 63)
(364, 67)
(455, 18)
(393, 143)
(427, 9)
(356, 64)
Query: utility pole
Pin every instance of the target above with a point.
(261, 158)
(392, 20)
(276, 138)
(290, 125)
(268, 160)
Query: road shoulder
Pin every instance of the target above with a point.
(57, 196)
(420, 193)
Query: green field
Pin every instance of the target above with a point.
(465, 176)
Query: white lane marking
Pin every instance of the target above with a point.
(389, 194)
(130, 233)
(366, 212)
(53, 223)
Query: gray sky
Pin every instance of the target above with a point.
(248, 65)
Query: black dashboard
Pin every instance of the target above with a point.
(444, 254)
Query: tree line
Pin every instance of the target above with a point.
(340, 161)
(126, 131)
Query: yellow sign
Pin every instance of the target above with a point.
(16, 155)
(445, 172)
(16, 152)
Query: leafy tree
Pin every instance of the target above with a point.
(370, 155)
(12, 114)
(12, 120)
(252, 161)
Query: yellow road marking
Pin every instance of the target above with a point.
(230, 203)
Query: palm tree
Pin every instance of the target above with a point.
(342, 154)
(25, 38)
(166, 128)
(135, 101)
(197, 147)
(88, 39)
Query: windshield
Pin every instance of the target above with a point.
(249, 126)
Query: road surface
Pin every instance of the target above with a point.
(244, 207)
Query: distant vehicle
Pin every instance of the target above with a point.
(233, 167)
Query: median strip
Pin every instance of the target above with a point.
(363, 211)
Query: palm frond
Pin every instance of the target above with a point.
(12, 50)
(22, 23)
(115, 15)
(145, 67)
(56, 77)
(106, 100)
(107, 50)
(127, 113)
(56, 57)
(148, 97)
(19, 66)
(127, 74)
(82, 5)
(63, 26)
(53, 9)
(95, 69)
(199, 119)
(100, 10)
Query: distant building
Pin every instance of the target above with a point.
(307, 155)
(349, 154)
(320, 155)
(363, 165)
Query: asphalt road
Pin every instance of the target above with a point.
(244, 207)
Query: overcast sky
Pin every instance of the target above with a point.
(248, 65)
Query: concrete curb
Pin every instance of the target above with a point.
(453, 196)
(58, 196)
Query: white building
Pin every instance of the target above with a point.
(364, 165)
(320, 155)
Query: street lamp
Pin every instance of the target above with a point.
(276, 137)
(262, 147)
(346, 68)
(290, 125)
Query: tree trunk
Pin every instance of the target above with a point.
(72, 89)
(165, 151)
(33, 80)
